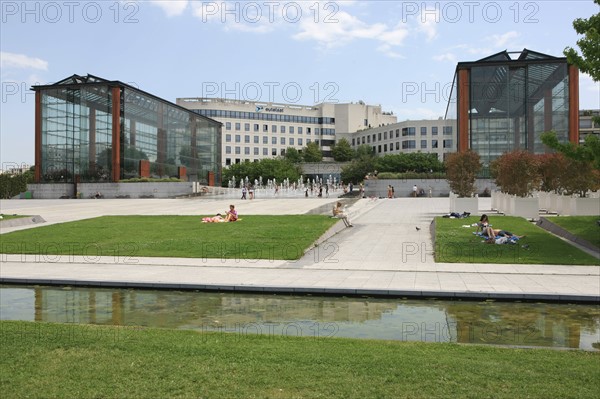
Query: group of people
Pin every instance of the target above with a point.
(230, 216)
(494, 236)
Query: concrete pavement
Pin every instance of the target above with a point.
(384, 254)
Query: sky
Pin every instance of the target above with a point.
(398, 54)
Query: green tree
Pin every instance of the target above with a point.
(589, 60)
(363, 151)
(293, 155)
(312, 153)
(362, 165)
(267, 168)
(461, 171)
(589, 151)
(342, 151)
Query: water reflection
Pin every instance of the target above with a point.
(522, 324)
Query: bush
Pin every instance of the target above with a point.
(516, 173)
(461, 171)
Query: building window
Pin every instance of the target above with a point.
(247, 127)
(256, 127)
(255, 150)
(238, 138)
(247, 150)
(227, 125)
(385, 148)
(299, 129)
(291, 141)
(423, 143)
(227, 161)
(379, 136)
(282, 152)
(274, 128)
(447, 130)
(397, 133)
(307, 141)
(256, 139)
(368, 139)
(299, 141)
(282, 140)
(265, 139)
(237, 150)
(228, 149)
(265, 128)
(274, 152)
(434, 144)
(273, 140)
(228, 138)
(448, 143)
(307, 130)
(434, 131)
(291, 129)
(353, 142)
(363, 140)
(385, 135)
(423, 130)
(246, 139)
(379, 148)
(282, 128)
(374, 138)
(366, 122)
(265, 151)
(397, 145)
(238, 126)
(408, 144)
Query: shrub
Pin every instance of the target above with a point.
(551, 167)
(516, 173)
(461, 171)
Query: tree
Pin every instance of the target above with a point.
(461, 172)
(589, 60)
(266, 169)
(551, 169)
(362, 165)
(363, 151)
(516, 173)
(342, 151)
(589, 151)
(293, 155)
(312, 153)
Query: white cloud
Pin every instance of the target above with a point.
(21, 61)
(500, 41)
(450, 57)
(171, 7)
(427, 24)
(389, 52)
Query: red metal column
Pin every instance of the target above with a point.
(38, 137)
(116, 134)
(463, 110)
(92, 142)
(573, 104)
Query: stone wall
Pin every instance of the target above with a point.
(112, 190)
(403, 187)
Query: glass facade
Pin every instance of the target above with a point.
(78, 130)
(505, 103)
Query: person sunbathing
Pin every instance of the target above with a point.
(215, 219)
(493, 233)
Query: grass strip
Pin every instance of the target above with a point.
(9, 217)
(83, 361)
(254, 237)
(457, 244)
(585, 227)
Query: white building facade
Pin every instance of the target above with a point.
(427, 136)
(257, 130)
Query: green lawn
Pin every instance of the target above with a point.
(585, 227)
(457, 244)
(84, 361)
(254, 237)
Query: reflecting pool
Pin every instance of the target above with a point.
(489, 322)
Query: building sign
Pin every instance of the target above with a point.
(269, 109)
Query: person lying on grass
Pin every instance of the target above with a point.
(231, 216)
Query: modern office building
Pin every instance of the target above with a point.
(428, 136)
(507, 100)
(89, 129)
(587, 125)
(254, 130)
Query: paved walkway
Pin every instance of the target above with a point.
(384, 254)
